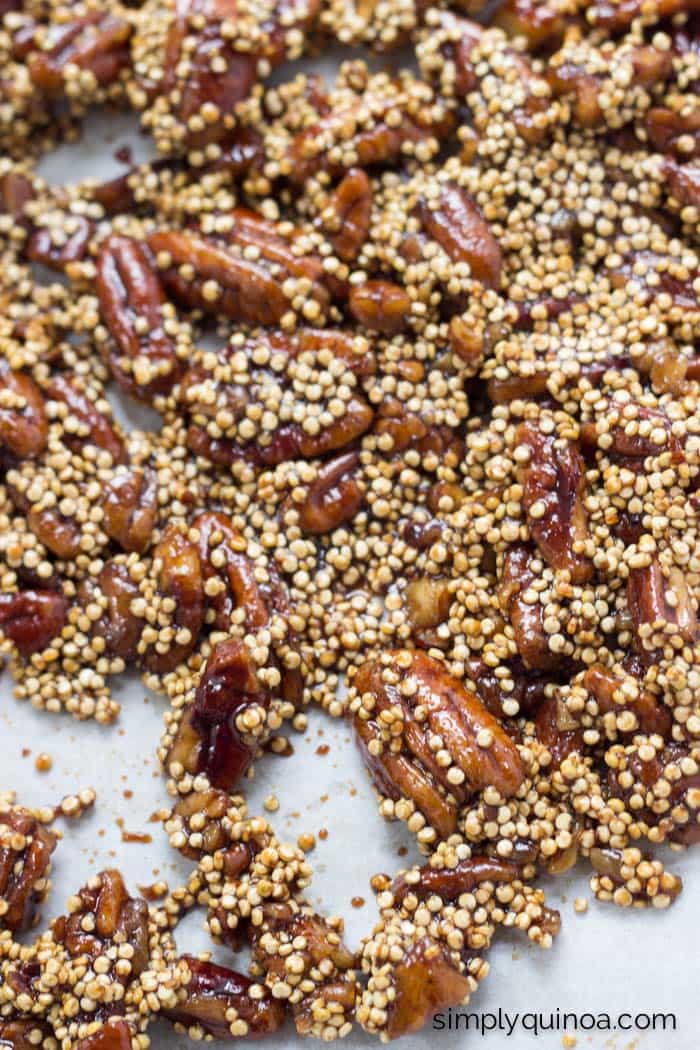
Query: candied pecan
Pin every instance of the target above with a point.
(683, 182)
(424, 982)
(554, 485)
(657, 274)
(455, 222)
(94, 427)
(31, 619)
(612, 695)
(144, 360)
(113, 1035)
(59, 533)
(405, 699)
(668, 130)
(617, 15)
(657, 599)
(524, 687)
(117, 919)
(209, 809)
(227, 688)
(16, 190)
(674, 813)
(380, 305)
(347, 215)
(179, 578)
(555, 728)
(333, 498)
(366, 133)
(118, 626)
(97, 43)
(25, 861)
(24, 1035)
(23, 423)
(451, 883)
(130, 507)
(428, 601)
(629, 877)
(43, 248)
(526, 618)
(540, 23)
(218, 1002)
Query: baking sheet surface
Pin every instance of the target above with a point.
(606, 961)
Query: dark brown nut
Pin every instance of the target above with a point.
(466, 342)
(636, 434)
(617, 15)
(179, 577)
(527, 619)
(228, 687)
(333, 498)
(406, 699)
(209, 808)
(222, 556)
(96, 44)
(16, 190)
(218, 1002)
(525, 388)
(57, 532)
(42, 248)
(113, 1035)
(84, 422)
(666, 128)
(554, 486)
(23, 423)
(455, 222)
(428, 601)
(610, 692)
(674, 815)
(25, 861)
(560, 734)
(425, 981)
(349, 211)
(130, 508)
(144, 360)
(367, 133)
(539, 23)
(451, 883)
(656, 274)
(118, 626)
(23, 1035)
(527, 689)
(409, 430)
(32, 619)
(116, 918)
(683, 182)
(381, 306)
(240, 289)
(648, 593)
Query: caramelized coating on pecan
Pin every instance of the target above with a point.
(524, 610)
(616, 693)
(456, 223)
(23, 423)
(96, 44)
(661, 602)
(25, 861)
(31, 619)
(427, 739)
(84, 421)
(381, 306)
(451, 883)
(130, 507)
(179, 580)
(118, 626)
(347, 215)
(113, 1035)
(218, 1002)
(425, 982)
(334, 497)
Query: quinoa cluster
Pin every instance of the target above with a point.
(424, 349)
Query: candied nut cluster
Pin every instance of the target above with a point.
(424, 350)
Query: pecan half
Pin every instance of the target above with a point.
(333, 498)
(554, 486)
(451, 883)
(179, 579)
(145, 359)
(23, 423)
(84, 422)
(381, 306)
(347, 215)
(555, 728)
(23, 1035)
(656, 599)
(130, 508)
(455, 222)
(425, 981)
(407, 709)
(526, 617)
(32, 619)
(218, 1002)
(118, 626)
(25, 860)
(614, 695)
(97, 43)
(58, 255)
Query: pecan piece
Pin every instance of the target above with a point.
(58, 255)
(118, 626)
(456, 223)
(23, 1035)
(228, 687)
(218, 1002)
(555, 728)
(93, 426)
(56, 531)
(113, 1035)
(25, 861)
(145, 362)
(629, 877)
(612, 693)
(539, 22)
(333, 498)
(424, 982)
(381, 306)
(23, 423)
(405, 702)
(32, 619)
(130, 508)
(668, 130)
(179, 578)
(617, 15)
(554, 485)
(451, 883)
(683, 181)
(348, 212)
(96, 43)
(526, 617)
(656, 599)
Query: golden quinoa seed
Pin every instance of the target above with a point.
(423, 346)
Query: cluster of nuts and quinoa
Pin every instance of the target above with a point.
(425, 348)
